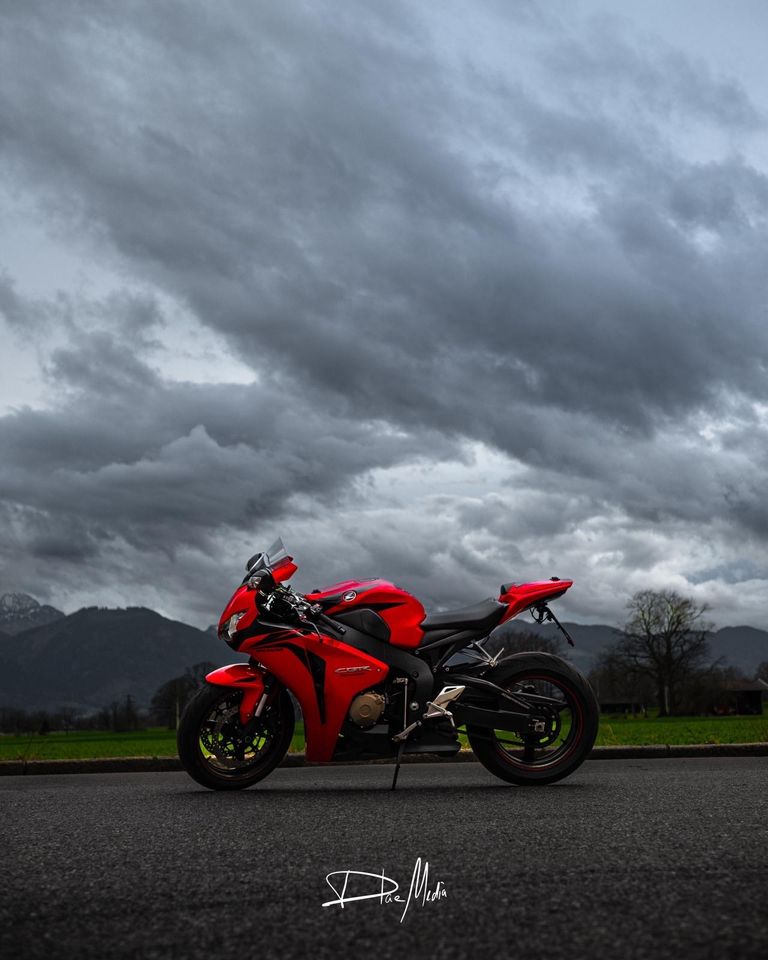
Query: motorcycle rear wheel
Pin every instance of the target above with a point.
(569, 737)
(210, 738)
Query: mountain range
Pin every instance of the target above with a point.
(96, 656)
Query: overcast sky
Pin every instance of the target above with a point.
(450, 293)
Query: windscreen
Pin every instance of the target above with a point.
(276, 553)
(269, 559)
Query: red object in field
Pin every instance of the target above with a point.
(400, 610)
(520, 596)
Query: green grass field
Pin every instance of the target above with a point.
(86, 744)
(157, 742)
(620, 731)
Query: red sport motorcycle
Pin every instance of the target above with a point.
(377, 677)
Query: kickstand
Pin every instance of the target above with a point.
(397, 764)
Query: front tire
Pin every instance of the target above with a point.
(211, 744)
(567, 741)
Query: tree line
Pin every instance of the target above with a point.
(119, 717)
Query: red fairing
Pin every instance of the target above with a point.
(347, 671)
(243, 600)
(520, 596)
(241, 676)
(400, 610)
(336, 588)
(284, 570)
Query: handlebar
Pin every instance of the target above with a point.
(310, 612)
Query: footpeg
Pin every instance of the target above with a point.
(435, 708)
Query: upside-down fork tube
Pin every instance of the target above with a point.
(245, 677)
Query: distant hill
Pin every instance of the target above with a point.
(743, 647)
(19, 611)
(96, 656)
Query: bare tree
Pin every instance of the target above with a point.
(664, 639)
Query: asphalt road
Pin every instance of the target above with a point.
(644, 858)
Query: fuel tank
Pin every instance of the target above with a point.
(395, 615)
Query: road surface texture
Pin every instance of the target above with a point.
(630, 859)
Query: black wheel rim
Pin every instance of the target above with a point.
(229, 749)
(557, 702)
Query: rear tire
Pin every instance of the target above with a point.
(585, 713)
(225, 771)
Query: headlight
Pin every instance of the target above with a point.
(227, 632)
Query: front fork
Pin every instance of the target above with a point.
(256, 685)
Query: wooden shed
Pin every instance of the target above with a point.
(742, 696)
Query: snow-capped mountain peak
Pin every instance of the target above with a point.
(17, 604)
(20, 611)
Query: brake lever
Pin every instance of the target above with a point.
(303, 609)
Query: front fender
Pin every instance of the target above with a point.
(241, 676)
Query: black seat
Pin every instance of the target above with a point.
(482, 616)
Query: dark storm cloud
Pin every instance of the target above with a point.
(319, 202)
(408, 247)
(127, 454)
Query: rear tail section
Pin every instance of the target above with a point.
(520, 596)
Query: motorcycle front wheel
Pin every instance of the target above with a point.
(565, 699)
(221, 754)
